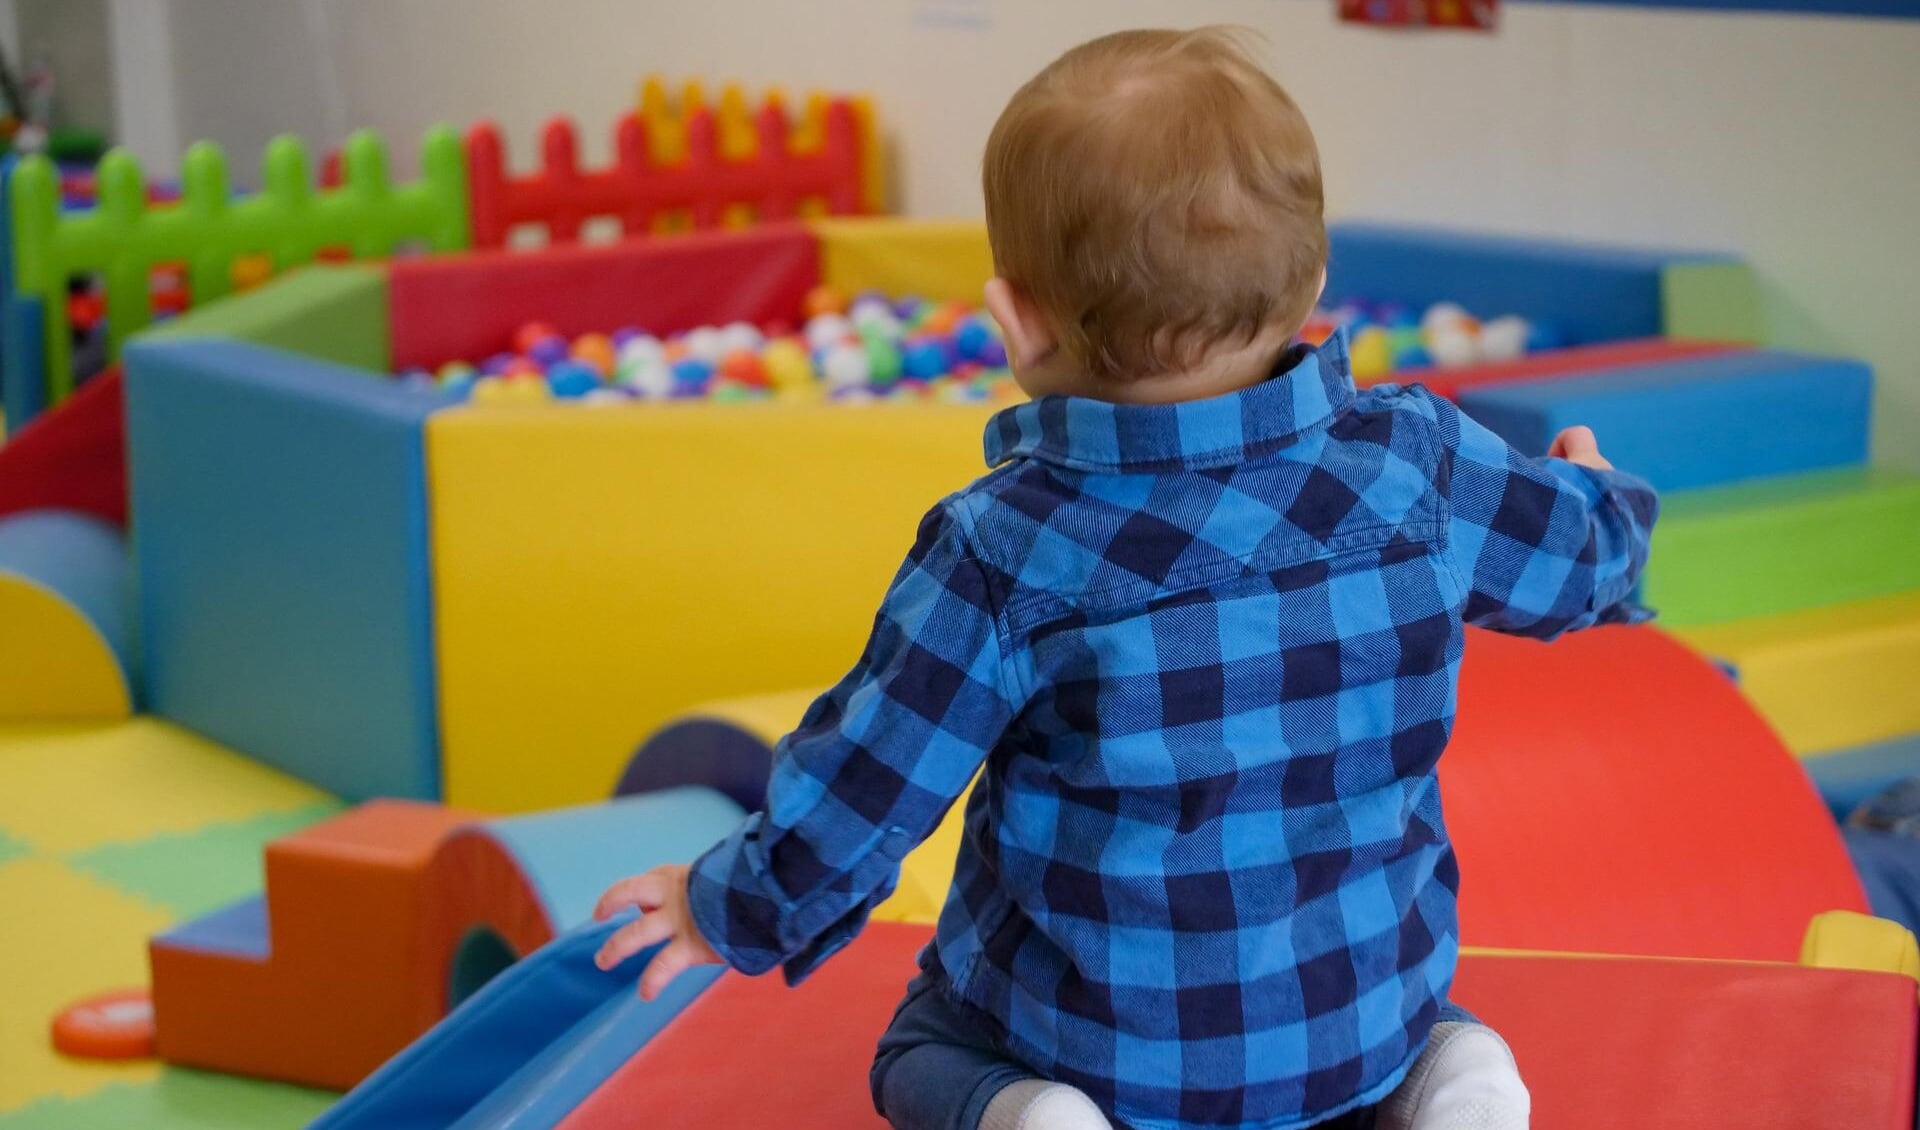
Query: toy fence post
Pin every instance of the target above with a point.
(633, 160)
(205, 200)
(702, 163)
(121, 207)
(36, 211)
(560, 180)
(777, 202)
(368, 189)
(842, 155)
(443, 188)
(486, 185)
(287, 194)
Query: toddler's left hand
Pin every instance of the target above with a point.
(665, 916)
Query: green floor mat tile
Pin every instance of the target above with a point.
(178, 1100)
(193, 873)
(1783, 544)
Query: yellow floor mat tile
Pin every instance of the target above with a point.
(63, 937)
(67, 788)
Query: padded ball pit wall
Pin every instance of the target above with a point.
(562, 579)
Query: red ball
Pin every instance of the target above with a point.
(84, 311)
(530, 335)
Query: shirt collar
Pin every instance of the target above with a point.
(1308, 386)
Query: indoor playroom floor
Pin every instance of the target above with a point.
(108, 833)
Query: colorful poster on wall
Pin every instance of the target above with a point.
(1479, 15)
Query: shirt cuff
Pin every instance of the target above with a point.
(741, 925)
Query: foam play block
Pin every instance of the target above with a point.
(1827, 678)
(721, 551)
(1780, 545)
(1588, 293)
(938, 260)
(1847, 777)
(333, 312)
(1572, 361)
(1697, 421)
(73, 458)
(468, 306)
(345, 904)
(67, 603)
(282, 560)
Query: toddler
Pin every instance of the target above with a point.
(1202, 625)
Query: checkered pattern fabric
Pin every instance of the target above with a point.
(1208, 653)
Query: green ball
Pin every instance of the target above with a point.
(883, 360)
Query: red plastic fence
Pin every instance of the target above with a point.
(636, 189)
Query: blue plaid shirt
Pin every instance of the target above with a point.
(1208, 653)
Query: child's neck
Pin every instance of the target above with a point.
(1219, 372)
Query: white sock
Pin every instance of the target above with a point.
(1465, 1079)
(1036, 1104)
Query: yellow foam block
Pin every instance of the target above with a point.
(57, 664)
(1827, 678)
(66, 788)
(65, 937)
(1843, 939)
(935, 259)
(766, 716)
(596, 573)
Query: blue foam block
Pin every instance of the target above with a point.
(1697, 421)
(238, 930)
(279, 504)
(1587, 293)
(1847, 777)
(525, 1050)
(570, 855)
(84, 560)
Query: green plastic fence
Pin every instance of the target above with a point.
(289, 221)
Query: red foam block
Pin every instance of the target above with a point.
(73, 457)
(1574, 361)
(467, 306)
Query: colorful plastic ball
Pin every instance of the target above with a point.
(827, 329)
(926, 358)
(651, 379)
(706, 344)
(454, 370)
(596, 351)
(943, 319)
(640, 350)
(1371, 353)
(971, 336)
(743, 366)
(1414, 356)
(1395, 316)
(993, 354)
(1545, 335)
(691, 373)
(571, 379)
(883, 360)
(625, 334)
(823, 300)
(494, 390)
(873, 314)
(1503, 339)
(908, 308)
(549, 350)
(419, 381)
(787, 365)
(604, 397)
(1453, 345)
(845, 366)
(530, 335)
(498, 364)
(1442, 314)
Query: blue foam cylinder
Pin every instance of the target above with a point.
(571, 855)
(84, 561)
(1697, 421)
(1847, 777)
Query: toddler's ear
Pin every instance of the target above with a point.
(1030, 337)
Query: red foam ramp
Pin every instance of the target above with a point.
(1574, 361)
(1604, 1043)
(466, 307)
(1692, 1045)
(1612, 792)
(71, 458)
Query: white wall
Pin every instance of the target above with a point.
(1793, 140)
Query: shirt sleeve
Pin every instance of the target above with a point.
(873, 768)
(1545, 546)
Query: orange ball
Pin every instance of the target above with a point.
(595, 350)
(744, 366)
(824, 300)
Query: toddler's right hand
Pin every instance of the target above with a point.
(665, 916)
(1577, 445)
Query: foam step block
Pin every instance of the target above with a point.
(1849, 776)
(1573, 361)
(1697, 421)
(1826, 678)
(1780, 545)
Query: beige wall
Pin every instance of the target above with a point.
(1793, 140)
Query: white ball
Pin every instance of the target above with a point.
(846, 366)
(602, 397)
(642, 350)
(741, 335)
(1503, 339)
(1452, 346)
(874, 314)
(827, 329)
(707, 344)
(1442, 314)
(651, 379)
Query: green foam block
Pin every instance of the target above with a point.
(193, 873)
(179, 1099)
(333, 312)
(1782, 544)
(1716, 300)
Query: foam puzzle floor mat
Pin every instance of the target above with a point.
(108, 833)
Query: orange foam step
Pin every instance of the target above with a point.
(343, 980)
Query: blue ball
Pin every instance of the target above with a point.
(549, 350)
(1397, 316)
(691, 375)
(571, 379)
(1412, 357)
(1544, 335)
(926, 358)
(972, 337)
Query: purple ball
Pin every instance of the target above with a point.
(549, 350)
(993, 354)
(625, 334)
(497, 364)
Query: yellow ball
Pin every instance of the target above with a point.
(787, 364)
(517, 390)
(1372, 354)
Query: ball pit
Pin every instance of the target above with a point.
(848, 349)
(1386, 338)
